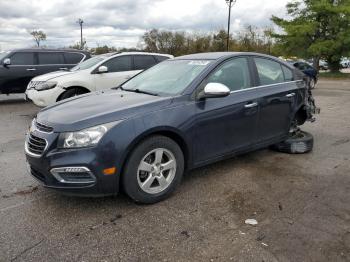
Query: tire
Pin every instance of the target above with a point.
(143, 166)
(298, 143)
(72, 92)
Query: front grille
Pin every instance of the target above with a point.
(35, 173)
(33, 84)
(36, 145)
(43, 128)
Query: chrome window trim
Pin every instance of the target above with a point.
(264, 86)
(55, 172)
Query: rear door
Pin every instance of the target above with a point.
(50, 62)
(119, 70)
(277, 93)
(17, 75)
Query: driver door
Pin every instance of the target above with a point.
(119, 68)
(227, 124)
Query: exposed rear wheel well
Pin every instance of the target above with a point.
(80, 88)
(300, 116)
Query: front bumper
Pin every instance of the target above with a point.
(46, 169)
(45, 97)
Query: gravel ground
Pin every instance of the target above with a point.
(301, 203)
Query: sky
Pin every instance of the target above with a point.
(121, 23)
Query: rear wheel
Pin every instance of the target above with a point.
(71, 93)
(299, 142)
(153, 170)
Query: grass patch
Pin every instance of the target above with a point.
(335, 75)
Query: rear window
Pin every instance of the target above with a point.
(288, 74)
(161, 58)
(270, 72)
(22, 58)
(50, 58)
(73, 58)
(142, 62)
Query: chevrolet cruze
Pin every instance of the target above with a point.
(178, 115)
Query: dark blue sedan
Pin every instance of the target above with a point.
(178, 115)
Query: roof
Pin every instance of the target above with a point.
(216, 55)
(48, 50)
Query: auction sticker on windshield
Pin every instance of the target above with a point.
(199, 62)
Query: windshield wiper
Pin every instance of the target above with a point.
(140, 91)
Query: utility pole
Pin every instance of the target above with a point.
(80, 22)
(230, 3)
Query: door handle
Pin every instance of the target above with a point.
(290, 95)
(31, 69)
(251, 105)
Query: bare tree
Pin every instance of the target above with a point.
(38, 36)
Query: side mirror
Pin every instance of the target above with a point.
(102, 69)
(7, 61)
(214, 90)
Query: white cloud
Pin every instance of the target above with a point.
(122, 22)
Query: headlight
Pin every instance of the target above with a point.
(85, 138)
(45, 86)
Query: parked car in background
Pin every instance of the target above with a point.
(308, 70)
(345, 62)
(19, 66)
(178, 115)
(323, 65)
(98, 73)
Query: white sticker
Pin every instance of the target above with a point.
(199, 62)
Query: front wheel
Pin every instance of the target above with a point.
(153, 170)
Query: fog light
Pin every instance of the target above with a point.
(109, 171)
(73, 175)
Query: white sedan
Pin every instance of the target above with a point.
(97, 73)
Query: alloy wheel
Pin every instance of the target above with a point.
(156, 171)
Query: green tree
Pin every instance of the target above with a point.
(38, 36)
(316, 29)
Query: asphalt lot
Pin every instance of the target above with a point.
(301, 203)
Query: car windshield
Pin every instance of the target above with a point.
(3, 54)
(169, 77)
(88, 63)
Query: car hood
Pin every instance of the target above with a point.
(53, 75)
(98, 108)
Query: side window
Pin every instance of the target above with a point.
(50, 58)
(233, 73)
(22, 58)
(119, 64)
(161, 58)
(270, 72)
(73, 58)
(143, 62)
(288, 74)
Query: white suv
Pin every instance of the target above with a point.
(97, 73)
